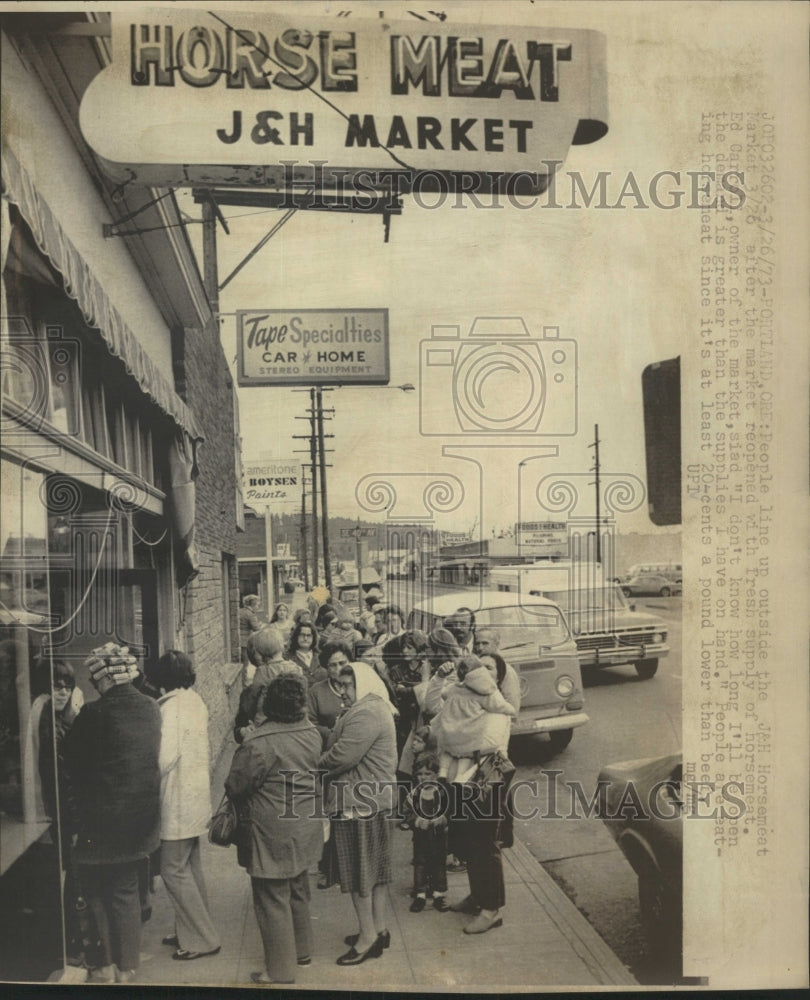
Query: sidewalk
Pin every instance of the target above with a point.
(544, 940)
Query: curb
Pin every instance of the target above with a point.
(584, 940)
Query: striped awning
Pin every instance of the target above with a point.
(83, 286)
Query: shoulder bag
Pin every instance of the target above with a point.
(224, 825)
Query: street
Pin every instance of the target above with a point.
(630, 718)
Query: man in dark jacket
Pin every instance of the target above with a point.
(111, 754)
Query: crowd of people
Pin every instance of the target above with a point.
(349, 728)
(403, 728)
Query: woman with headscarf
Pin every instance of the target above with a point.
(443, 654)
(360, 765)
(272, 779)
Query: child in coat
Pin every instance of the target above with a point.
(475, 719)
(427, 806)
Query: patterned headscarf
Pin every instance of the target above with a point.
(113, 662)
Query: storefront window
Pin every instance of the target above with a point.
(24, 623)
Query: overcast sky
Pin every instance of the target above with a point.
(623, 283)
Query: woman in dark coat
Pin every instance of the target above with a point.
(273, 785)
(111, 754)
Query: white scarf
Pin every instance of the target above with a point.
(368, 682)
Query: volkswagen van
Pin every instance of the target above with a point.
(536, 641)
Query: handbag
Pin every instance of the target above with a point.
(224, 826)
(494, 768)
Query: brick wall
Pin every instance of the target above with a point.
(209, 392)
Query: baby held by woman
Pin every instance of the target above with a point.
(475, 719)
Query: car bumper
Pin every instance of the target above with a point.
(556, 722)
(622, 654)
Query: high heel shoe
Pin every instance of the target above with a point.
(385, 936)
(354, 957)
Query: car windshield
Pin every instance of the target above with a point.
(588, 599)
(521, 627)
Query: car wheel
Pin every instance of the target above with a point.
(646, 668)
(627, 592)
(559, 739)
(664, 592)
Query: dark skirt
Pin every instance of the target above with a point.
(363, 853)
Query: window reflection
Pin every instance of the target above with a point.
(24, 620)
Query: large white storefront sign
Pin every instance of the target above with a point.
(257, 99)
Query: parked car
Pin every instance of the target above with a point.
(652, 841)
(536, 641)
(608, 631)
(672, 571)
(650, 584)
(347, 594)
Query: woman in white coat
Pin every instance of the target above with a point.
(185, 804)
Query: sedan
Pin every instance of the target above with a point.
(649, 585)
(651, 838)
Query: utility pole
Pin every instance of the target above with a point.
(313, 468)
(598, 532)
(268, 556)
(327, 566)
(303, 527)
(317, 462)
(313, 457)
(358, 558)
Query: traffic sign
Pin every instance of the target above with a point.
(358, 532)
